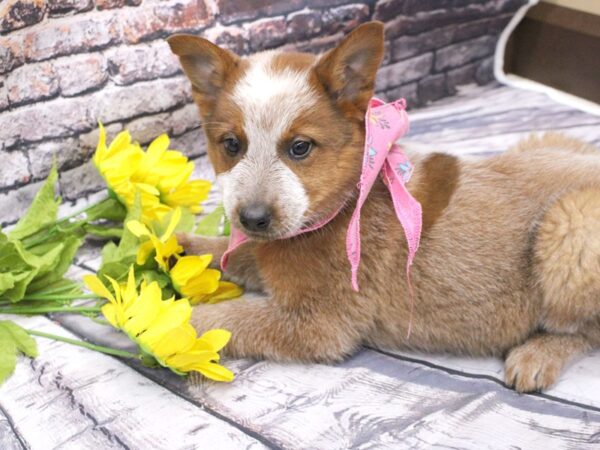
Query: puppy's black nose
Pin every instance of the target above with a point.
(255, 217)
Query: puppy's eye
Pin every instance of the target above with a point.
(300, 149)
(232, 146)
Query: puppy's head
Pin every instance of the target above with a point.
(285, 131)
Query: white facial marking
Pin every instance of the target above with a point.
(270, 101)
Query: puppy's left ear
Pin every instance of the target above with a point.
(348, 71)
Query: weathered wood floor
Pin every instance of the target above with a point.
(72, 398)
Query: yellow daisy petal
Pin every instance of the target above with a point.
(94, 284)
(217, 338)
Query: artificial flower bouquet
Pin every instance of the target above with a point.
(146, 285)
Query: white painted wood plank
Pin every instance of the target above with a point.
(373, 401)
(71, 397)
(8, 438)
(579, 382)
(490, 119)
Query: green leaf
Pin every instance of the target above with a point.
(109, 209)
(213, 224)
(67, 249)
(42, 211)
(24, 343)
(104, 231)
(17, 267)
(13, 338)
(116, 259)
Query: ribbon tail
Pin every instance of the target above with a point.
(236, 239)
(353, 247)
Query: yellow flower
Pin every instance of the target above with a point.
(118, 164)
(165, 246)
(162, 327)
(160, 176)
(190, 275)
(226, 291)
(169, 171)
(193, 279)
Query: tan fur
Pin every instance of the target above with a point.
(508, 264)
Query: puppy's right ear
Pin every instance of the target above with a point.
(205, 64)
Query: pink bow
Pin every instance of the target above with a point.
(385, 123)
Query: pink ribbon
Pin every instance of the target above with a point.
(385, 123)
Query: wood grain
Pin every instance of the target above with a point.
(70, 397)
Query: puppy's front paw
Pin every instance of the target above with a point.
(530, 369)
(199, 245)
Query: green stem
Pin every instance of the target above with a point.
(82, 211)
(45, 297)
(84, 344)
(49, 309)
(47, 232)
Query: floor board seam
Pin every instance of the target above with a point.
(9, 419)
(247, 431)
(482, 377)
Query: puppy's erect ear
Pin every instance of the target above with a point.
(205, 64)
(348, 71)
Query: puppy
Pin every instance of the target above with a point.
(509, 263)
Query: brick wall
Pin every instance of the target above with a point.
(64, 64)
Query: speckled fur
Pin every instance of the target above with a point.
(508, 266)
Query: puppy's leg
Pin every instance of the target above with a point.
(567, 269)
(272, 329)
(241, 268)
(537, 364)
(567, 261)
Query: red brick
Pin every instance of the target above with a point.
(193, 144)
(485, 71)
(404, 71)
(3, 96)
(15, 169)
(460, 76)
(80, 181)
(31, 83)
(110, 4)
(266, 33)
(61, 7)
(233, 38)
(15, 14)
(87, 141)
(148, 21)
(146, 129)
(345, 18)
(66, 153)
(407, 46)
(388, 9)
(185, 119)
(56, 118)
(316, 45)
(11, 52)
(431, 88)
(72, 35)
(81, 73)
(456, 55)
(117, 103)
(128, 64)
(179, 15)
(303, 24)
(15, 203)
(233, 11)
(407, 92)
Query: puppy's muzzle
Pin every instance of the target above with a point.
(256, 217)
